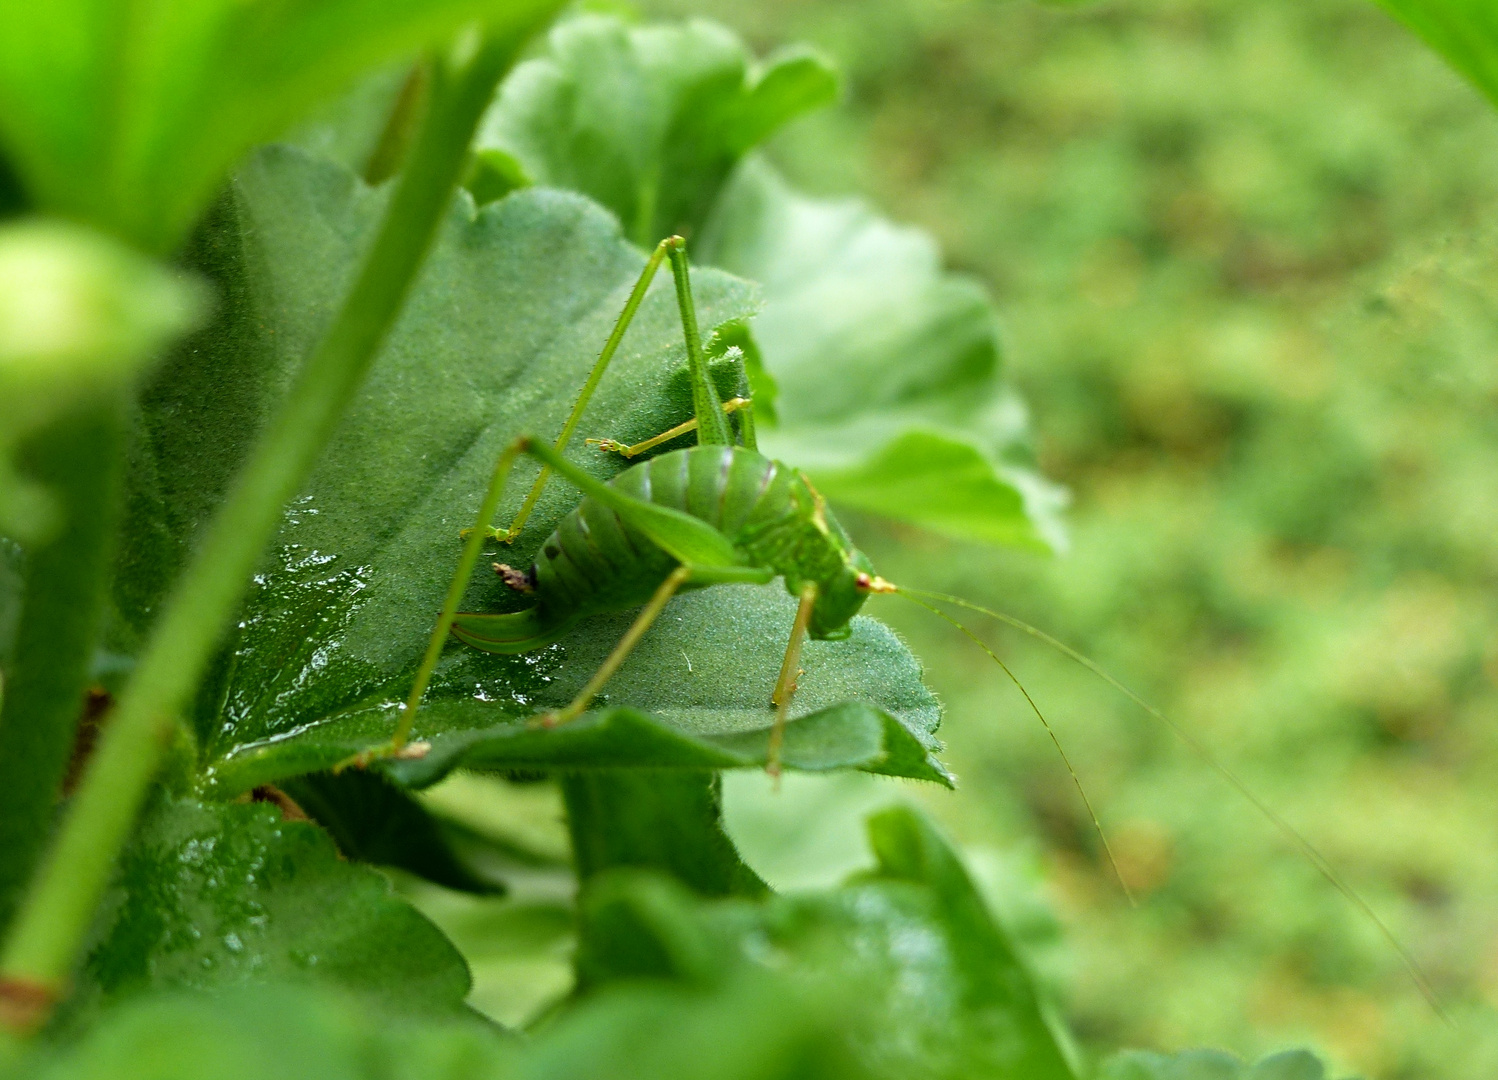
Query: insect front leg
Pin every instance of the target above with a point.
(605, 356)
(732, 405)
(790, 673)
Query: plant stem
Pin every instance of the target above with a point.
(49, 928)
(79, 458)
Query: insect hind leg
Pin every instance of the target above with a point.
(790, 674)
(637, 629)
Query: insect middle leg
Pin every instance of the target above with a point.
(643, 621)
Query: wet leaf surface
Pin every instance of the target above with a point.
(212, 896)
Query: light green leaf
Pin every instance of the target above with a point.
(1212, 1065)
(285, 1031)
(647, 120)
(79, 314)
(754, 1028)
(499, 334)
(213, 896)
(888, 367)
(1465, 32)
(127, 116)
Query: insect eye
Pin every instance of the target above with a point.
(864, 582)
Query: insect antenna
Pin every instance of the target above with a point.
(1289, 832)
(1077, 780)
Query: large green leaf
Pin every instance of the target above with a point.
(128, 115)
(942, 992)
(647, 120)
(887, 367)
(208, 896)
(1465, 32)
(500, 331)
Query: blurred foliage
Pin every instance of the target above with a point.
(1242, 249)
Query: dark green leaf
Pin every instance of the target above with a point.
(665, 820)
(128, 116)
(648, 120)
(212, 896)
(506, 320)
(887, 366)
(1465, 32)
(374, 821)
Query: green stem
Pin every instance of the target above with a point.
(79, 458)
(60, 905)
(712, 425)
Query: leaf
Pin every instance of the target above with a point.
(941, 991)
(647, 120)
(79, 315)
(755, 1028)
(1465, 32)
(1212, 1065)
(214, 896)
(374, 821)
(498, 336)
(285, 1031)
(888, 367)
(128, 116)
(666, 820)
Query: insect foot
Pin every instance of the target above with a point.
(519, 580)
(609, 446)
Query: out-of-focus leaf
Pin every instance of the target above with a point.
(752, 1026)
(647, 120)
(127, 116)
(1465, 32)
(665, 820)
(755, 1027)
(212, 896)
(888, 367)
(1212, 1065)
(285, 1031)
(79, 314)
(942, 993)
(374, 821)
(499, 334)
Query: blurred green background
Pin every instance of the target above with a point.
(1244, 254)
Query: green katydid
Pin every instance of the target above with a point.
(716, 513)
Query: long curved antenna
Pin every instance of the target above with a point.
(1288, 831)
(1075, 779)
